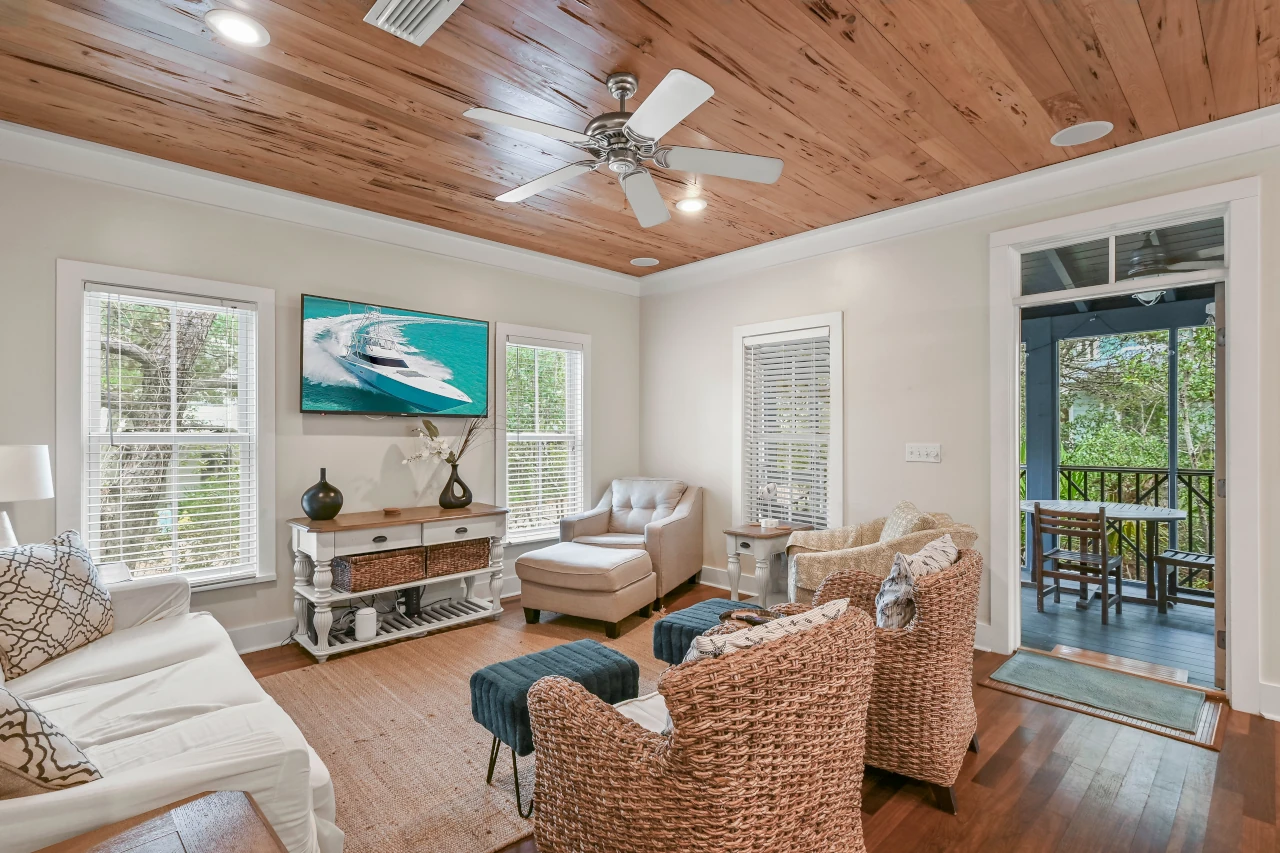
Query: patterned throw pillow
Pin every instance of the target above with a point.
(939, 554)
(723, 644)
(905, 519)
(895, 603)
(35, 756)
(52, 601)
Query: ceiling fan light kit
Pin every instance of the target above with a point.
(626, 142)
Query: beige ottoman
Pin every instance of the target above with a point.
(608, 584)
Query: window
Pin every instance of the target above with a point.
(542, 447)
(168, 447)
(789, 435)
(1180, 247)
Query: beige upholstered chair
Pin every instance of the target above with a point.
(922, 717)
(664, 517)
(765, 754)
(813, 555)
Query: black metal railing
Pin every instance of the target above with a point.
(1196, 496)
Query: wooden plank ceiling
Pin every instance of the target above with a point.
(872, 104)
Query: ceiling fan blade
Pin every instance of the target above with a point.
(725, 164)
(531, 125)
(547, 181)
(1184, 266)
(679, 94)
(645, 200)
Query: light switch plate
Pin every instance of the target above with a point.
(924, 452)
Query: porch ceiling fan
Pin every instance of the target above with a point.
(624, 141)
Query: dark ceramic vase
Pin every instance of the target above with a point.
(456, 494)
(322, 501)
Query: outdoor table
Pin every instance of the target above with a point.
(1148, 515)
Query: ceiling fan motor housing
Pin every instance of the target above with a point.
(624, 141)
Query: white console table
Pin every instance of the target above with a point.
(316, 543)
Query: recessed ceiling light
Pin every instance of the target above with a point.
(644, 262)
(691, 205)
(238, 28)
(1079, 134)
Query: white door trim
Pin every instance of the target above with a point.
(1240, 200)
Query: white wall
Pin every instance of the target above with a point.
(45, 216)
(916, 364)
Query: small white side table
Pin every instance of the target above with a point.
(761, 544)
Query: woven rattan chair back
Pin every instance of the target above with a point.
(766, 754)
(922, 716)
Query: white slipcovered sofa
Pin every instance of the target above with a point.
(166, 710)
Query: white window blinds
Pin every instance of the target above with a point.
(787, 426)
(170, 421)
(544, 436)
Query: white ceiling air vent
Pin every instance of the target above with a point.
(411, 20)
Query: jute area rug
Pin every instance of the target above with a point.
(393, 725)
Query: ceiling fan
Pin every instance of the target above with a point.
(623, 141)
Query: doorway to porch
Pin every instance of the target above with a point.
(1120, 411)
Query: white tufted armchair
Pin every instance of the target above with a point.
(664, 517)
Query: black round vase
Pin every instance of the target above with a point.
(456, 494)
(322, 501)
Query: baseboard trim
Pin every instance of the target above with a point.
(1270, 701)
(719, 578)
(264, 635)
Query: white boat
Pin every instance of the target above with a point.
(378, 361)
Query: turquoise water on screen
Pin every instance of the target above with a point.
(450, 349)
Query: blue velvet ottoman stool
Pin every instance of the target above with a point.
(500, 692)
(674, 633)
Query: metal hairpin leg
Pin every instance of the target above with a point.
(515, 772)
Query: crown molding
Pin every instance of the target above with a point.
(1229, 137)
(53, 152)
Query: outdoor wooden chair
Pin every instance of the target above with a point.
(1167, 589)
(1081, 555)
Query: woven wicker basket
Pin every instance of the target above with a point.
(449, 558)
(363, 572)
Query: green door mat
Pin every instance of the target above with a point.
(1153, 701)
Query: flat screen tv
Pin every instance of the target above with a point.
(374, 360)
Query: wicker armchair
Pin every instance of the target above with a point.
(922, 716)
(766, 754)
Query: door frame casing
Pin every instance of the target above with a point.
(1239, 202)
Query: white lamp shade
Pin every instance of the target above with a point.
(24, 473)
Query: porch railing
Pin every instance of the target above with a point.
(1195, 495)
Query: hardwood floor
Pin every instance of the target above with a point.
(1049, 779)
(1181, 638)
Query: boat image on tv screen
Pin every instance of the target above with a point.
(369, 359)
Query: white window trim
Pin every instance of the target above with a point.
(68, 347)
(1240, 202)
(784, 329)
(534, 334)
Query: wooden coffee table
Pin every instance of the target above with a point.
(223, 822)
(762, 544)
